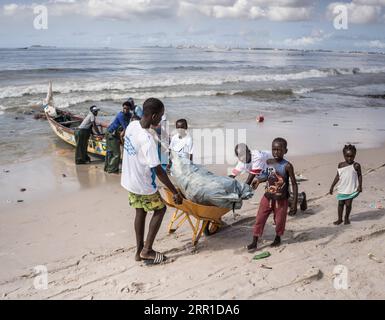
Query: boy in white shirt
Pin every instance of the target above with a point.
(254, 163)
(251, 161)
(140, 167)
(181, 142)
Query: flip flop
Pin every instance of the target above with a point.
(159, 258)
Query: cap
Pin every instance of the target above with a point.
(94, 108)
(139, 111)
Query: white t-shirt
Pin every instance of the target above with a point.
(256, 165)
(182, 146)
(140, 157)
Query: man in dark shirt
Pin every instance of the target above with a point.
(114, 135)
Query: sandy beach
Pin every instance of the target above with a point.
(311, 73)
(76, 222)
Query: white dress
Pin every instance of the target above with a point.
(348, 182)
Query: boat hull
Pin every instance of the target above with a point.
(96, 145)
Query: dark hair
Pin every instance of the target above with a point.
(129, 103)
(240, 146)
(280, 140)
(349, 147)
(183, 122)
(151, 106)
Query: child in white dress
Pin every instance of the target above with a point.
(349, 179)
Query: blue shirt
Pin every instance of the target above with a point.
(121, 120)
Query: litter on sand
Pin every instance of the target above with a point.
(262, 255)
(376, 205)
(374, 258)
(300, 177)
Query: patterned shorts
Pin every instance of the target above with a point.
(148, 202)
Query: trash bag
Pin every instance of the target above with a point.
(203, 187)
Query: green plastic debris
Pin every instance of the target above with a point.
(262, 255)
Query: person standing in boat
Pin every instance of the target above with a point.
(82, 135)
(114, 137)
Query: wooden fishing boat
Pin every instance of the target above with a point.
(64, 124)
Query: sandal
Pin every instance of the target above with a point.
(159, 258)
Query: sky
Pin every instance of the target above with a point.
(294, 24)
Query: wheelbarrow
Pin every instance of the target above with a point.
(207, 218)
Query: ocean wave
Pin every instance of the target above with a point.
(181, 80)
(264, 93)
(67, 100)
(70, 100)
(300, 91)
(375, 96)
(56, 70)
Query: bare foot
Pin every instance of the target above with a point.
(147, 254)
(137, 254)
(346, 221)
(337, 222)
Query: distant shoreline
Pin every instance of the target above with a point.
(209, 47)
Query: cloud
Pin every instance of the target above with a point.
(360, 11)
(374, 44)
(289, 13)
(12, 8)
(275, 10)
(116, 9)
(370, 2)
(317, 36)
(377, 44)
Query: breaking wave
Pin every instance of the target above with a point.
(180, 80)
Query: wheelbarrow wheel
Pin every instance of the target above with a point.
(211, 228)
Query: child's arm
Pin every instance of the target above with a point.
(162, 176)
(259, 179)
(290, 171)
(255, 184)
(357, 167)
(169, 162)
(237, 170)
(250, 178)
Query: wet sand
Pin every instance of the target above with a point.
(80, 227)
